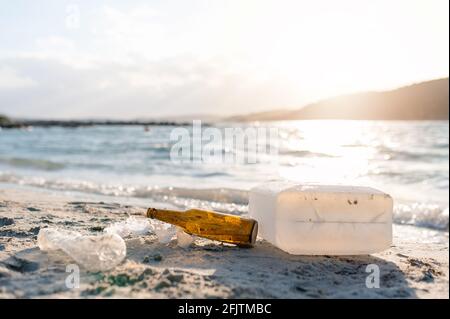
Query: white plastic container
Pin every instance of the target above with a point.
(322, 220)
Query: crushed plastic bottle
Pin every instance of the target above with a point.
(164, 232)
(184, 240)
(49, 239)
(129, 227)
(95, 253)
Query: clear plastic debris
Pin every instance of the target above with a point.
(95, 253)
(131, 226)
(165, 232)
(50, 238)
(184, 240)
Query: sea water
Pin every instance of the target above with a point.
(408, 160)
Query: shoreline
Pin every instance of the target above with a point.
(24, 124)
(411, 268)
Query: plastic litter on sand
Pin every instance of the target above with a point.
(164, 232)
(141, 226)
(131, 226)
(106, 251)
(95, 253)
(184, 240)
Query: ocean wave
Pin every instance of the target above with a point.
(403, 155)
(221, 195)
(226, 200)
(32, 163)
(423, 215)
(213, 174)
(304, 153)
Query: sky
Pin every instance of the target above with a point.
(152, 59)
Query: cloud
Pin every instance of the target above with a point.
(134, 63)
(54, 44)
(179, 85)
(137, 30)
(11, 80)
(213, 57)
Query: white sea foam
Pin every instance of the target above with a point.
(422, 214)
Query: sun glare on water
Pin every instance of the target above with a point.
(327, 150)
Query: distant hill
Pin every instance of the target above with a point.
(422, 101)
(4, 120)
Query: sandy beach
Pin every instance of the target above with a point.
(411, 268)
(271, 128)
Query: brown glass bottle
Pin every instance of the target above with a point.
(212, 225)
